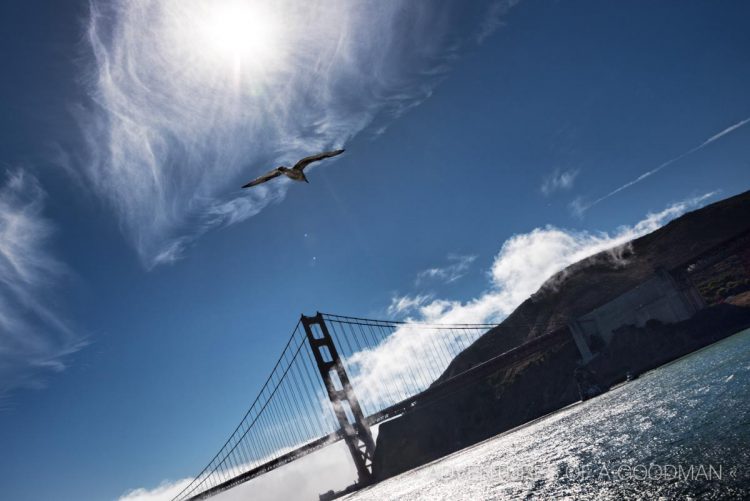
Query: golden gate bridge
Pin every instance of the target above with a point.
(336, 377)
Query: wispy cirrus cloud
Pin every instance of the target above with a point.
(402, 305)
(34, 338)
(185, 105)
(458, 267)
(494, 18)
(559, 180)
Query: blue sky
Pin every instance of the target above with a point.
(144, 296)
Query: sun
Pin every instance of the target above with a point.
(241, 31)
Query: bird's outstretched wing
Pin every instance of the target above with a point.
(314, 158)
(262, 179)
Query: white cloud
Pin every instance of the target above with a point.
(34, 340)
(180, 115)
(578, 207)
(494, 18)
(524, 264)
(401, 305)
(330, 468)
(164, 492)
(449, 273)
(559, 180)
(526, 261)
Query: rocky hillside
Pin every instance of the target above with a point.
(598, 279)
(519, 392)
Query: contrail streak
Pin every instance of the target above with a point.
(653, 171)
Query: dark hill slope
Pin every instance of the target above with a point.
(598, 279)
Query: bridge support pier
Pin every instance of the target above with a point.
(356, 435)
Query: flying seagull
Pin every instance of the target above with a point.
(296, 173)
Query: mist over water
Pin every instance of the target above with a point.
(680, 431)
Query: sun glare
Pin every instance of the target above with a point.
(241, 31)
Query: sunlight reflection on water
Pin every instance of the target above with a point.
(680, 431)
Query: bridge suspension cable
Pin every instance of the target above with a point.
(289, 411)
(391, 361)
(387, 362)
